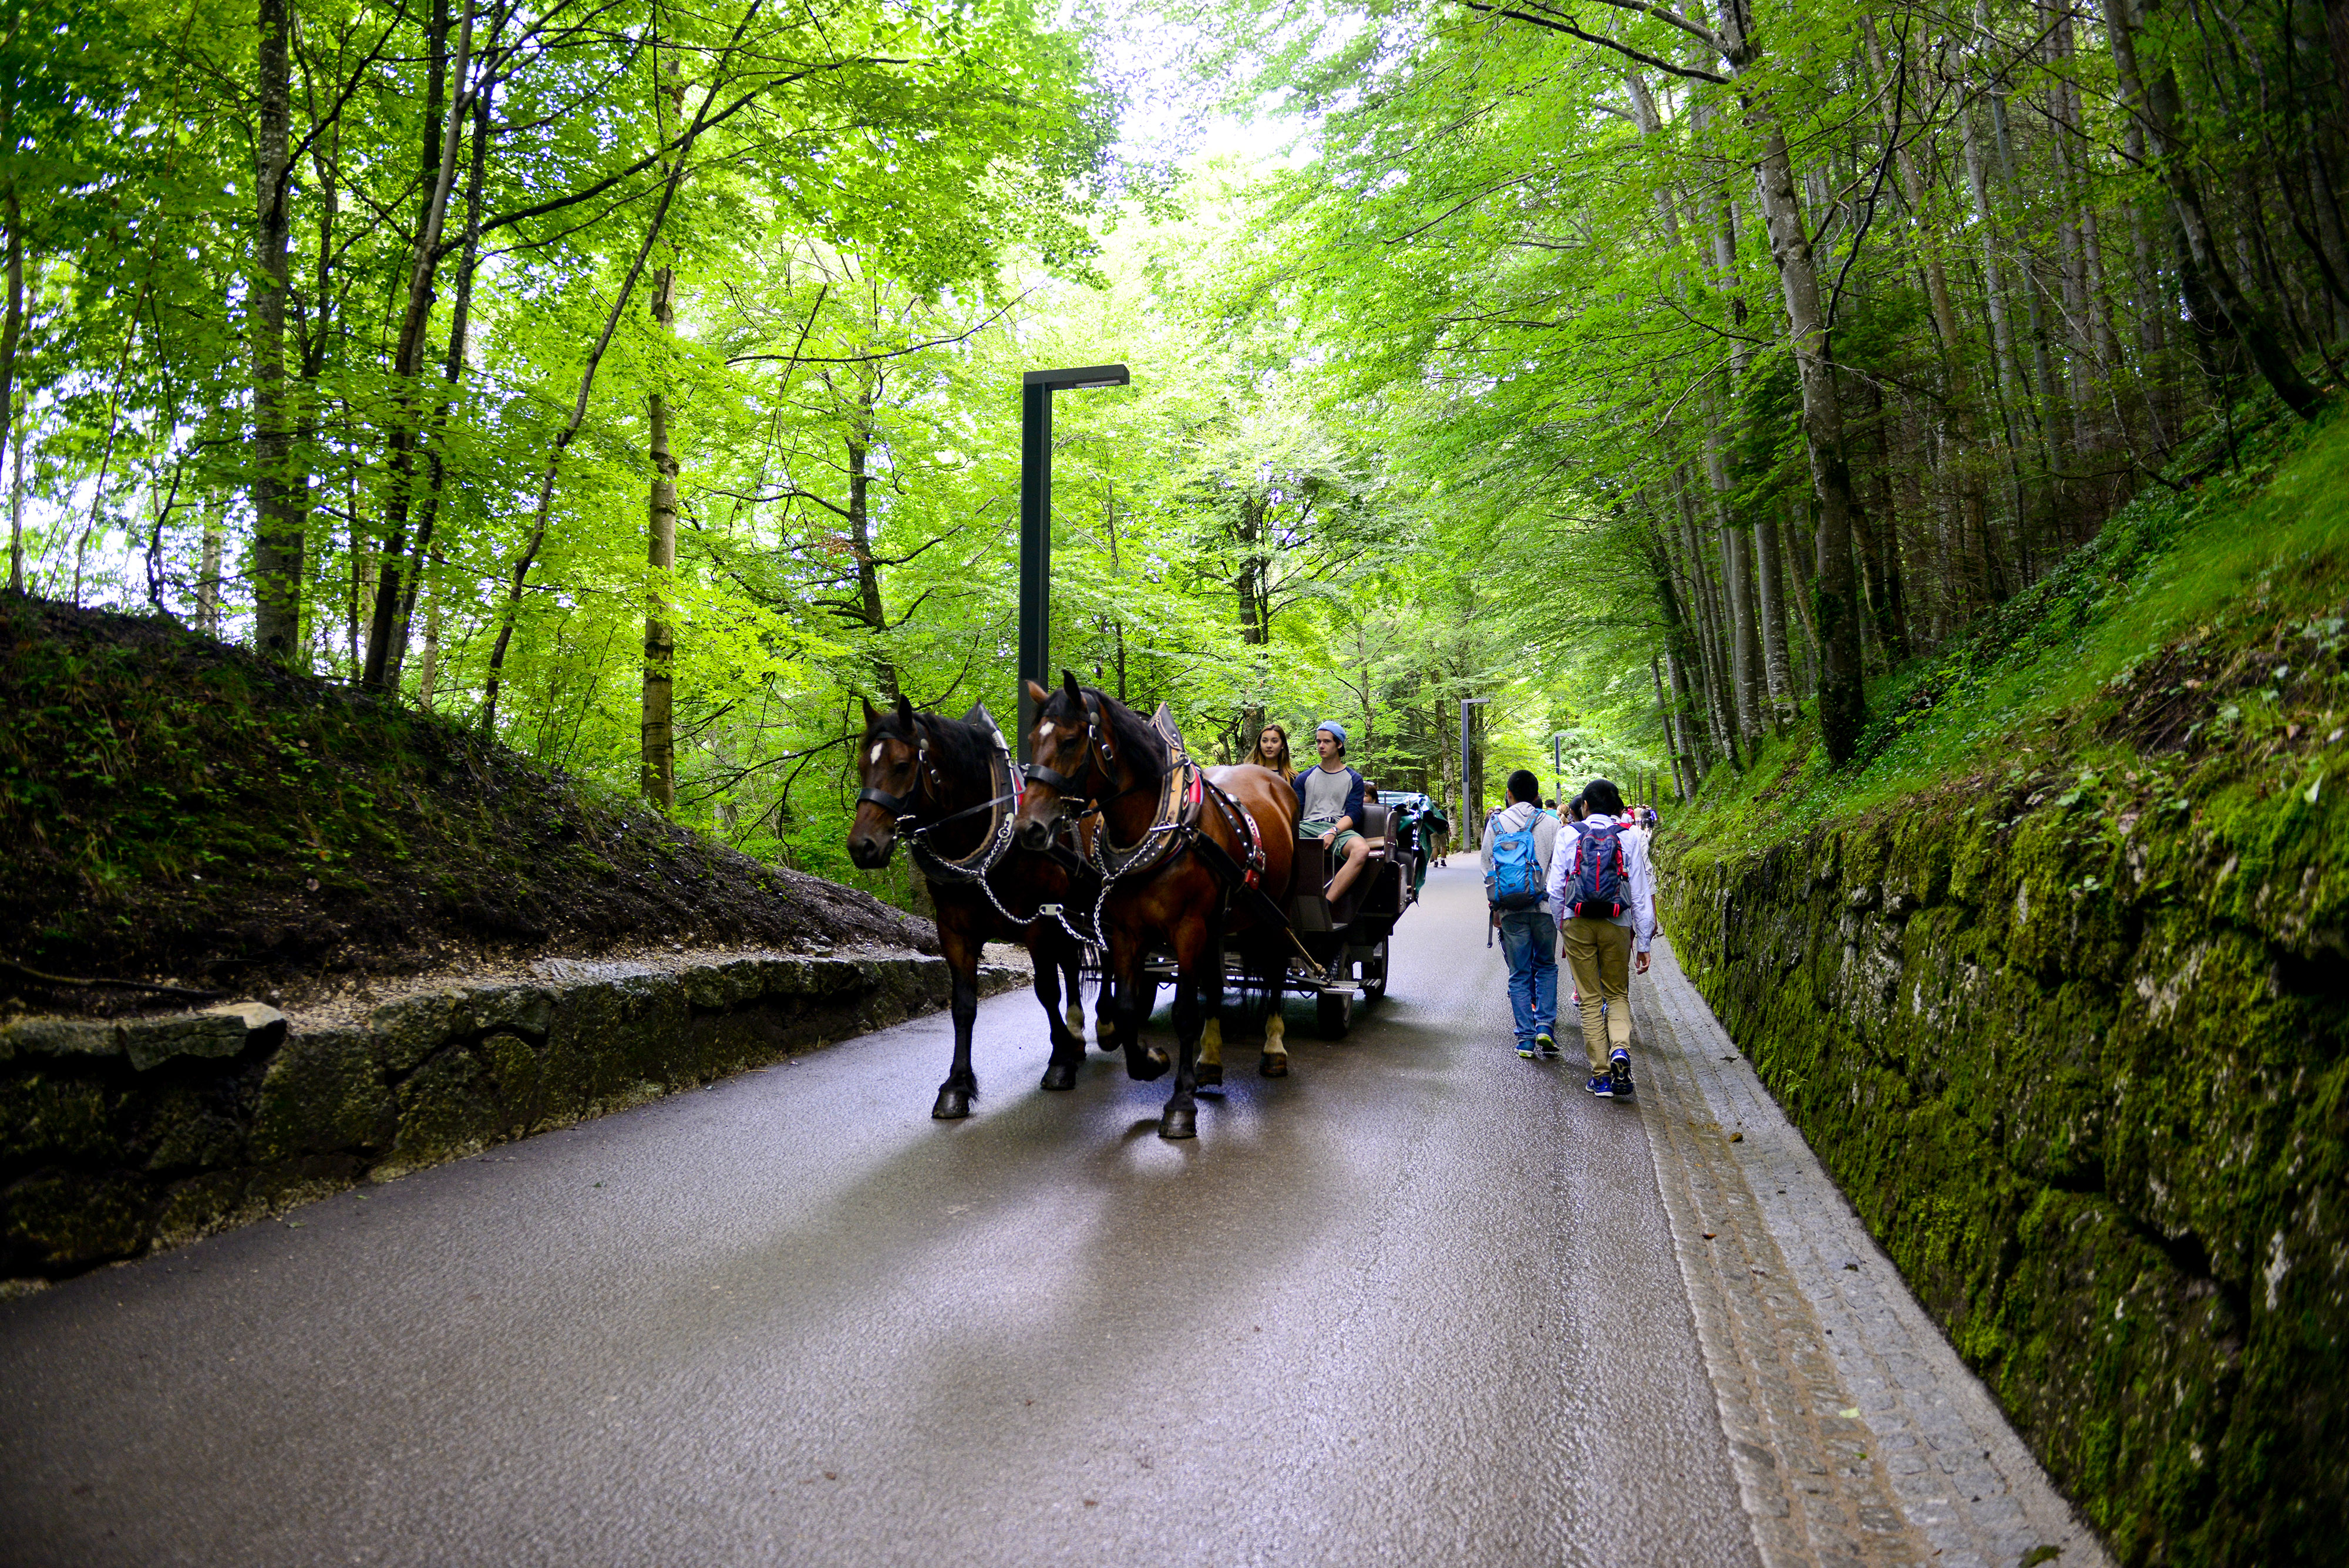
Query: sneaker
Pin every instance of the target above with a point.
(1546, 1045)
(1525, 1050)
(1621, 1074)
(1603, 1086)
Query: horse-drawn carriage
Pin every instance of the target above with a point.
(1345, 945)
(1119, 840)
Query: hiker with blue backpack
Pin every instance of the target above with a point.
(1601, 888)
(1520, 840)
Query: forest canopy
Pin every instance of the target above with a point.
(639, 383)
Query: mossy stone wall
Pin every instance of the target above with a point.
(119, 1139)
(2082, 1071)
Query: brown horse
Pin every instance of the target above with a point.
(934, 782)
(1095, 755)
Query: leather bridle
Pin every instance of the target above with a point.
(1075, 804)
(900, 807)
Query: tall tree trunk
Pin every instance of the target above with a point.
(2165, 110)
(1795, 549)
(428, 671)
(1736, 536)
(443, 136)
(1843, 699)
(278, 511)
(1679, 639)
(208, 575)
(12, 330)
(519, 574)
(872, 609)
(1769, 574)
(16, 512)
(1744, 645)
(1961, 417)
(1676, 671)
(1709, 667)
(453, 377)
(2004, 360)
(660, 773)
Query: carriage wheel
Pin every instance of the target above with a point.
(1333, 1013)
(1374, 971)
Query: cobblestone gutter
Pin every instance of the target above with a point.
(121, 1137)
(2084, 1078)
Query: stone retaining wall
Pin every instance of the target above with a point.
(121, 1137)
(2084, 1076)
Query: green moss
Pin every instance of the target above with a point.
(57, 1221)
(2050, 982)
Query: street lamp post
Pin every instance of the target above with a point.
(1036, 389)
(1467, 804)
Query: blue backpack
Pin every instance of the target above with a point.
(1515, 881)
(1595, 872)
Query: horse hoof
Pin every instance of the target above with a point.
(953, 1104)
(1060, 1076)
(1211, 1074)
(1179, 1122)
(1274, 1066)
(1144, 1065)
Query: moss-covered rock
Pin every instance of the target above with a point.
(61, 1221)
(325, 1090)
(2079, 1061)
(49, 1117)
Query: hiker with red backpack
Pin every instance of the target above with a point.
(1605, 897)
(1520, 842)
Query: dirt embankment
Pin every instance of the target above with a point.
(177, 811)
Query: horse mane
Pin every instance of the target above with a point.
(1129, 731)
(959, 750)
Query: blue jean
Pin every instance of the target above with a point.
(1529, 943)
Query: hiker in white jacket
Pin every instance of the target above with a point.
(1605, 896)
(1528, 933)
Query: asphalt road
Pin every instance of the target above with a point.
(1415, 1304)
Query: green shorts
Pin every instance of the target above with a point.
(1317, 826)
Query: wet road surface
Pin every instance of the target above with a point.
(1417, 1303)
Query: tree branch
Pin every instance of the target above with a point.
(1692, 72)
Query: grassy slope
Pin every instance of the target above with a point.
(2150, 652)
(176, 808)
(2054, 982)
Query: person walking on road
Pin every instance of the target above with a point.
(1605, 894)
(1520, 842)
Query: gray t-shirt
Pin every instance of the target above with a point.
(1325, 793)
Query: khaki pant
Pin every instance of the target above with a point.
(1600, 954)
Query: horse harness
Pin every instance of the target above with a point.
(978, 864)
(1185, 796)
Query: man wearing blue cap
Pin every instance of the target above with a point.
(1330, 807)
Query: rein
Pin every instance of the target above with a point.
(979, 865)
(1181, 831)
